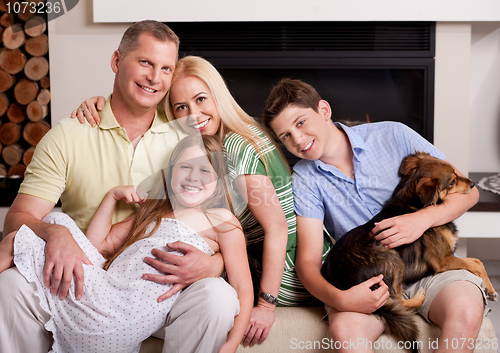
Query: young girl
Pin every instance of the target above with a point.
(118, 309)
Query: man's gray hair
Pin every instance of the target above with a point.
(158, 30)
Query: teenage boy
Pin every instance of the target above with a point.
(344, 178)
(80, 164)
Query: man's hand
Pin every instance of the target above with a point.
(63, 261)
(182, 271)
(363, 299)
(399, 230)
(261, 321)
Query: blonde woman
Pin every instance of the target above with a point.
(201, 102)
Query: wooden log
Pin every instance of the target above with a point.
(10, 133)
(16, 171)
(43, 96)
(45, 82)
(6, 80)
(36, 111)
(5, 20)
(34, 131)
(12, 154)
(37, 46)
(4, 103)
(25, 91)
(16, 113)
(26, 13)
(1, 28)
(36, 68)
(3, 171)
(12, 61)
(3, 6)
(13, 37)
(28, 155)
(35, 26)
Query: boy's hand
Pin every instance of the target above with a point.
(399, 230)
(363, 299)
(131, 194)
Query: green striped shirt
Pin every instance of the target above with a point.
(243, 159)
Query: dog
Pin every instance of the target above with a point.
(357, 256)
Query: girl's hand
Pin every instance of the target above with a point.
(7, 251)
(130, 193)
(363, 299)
(88, 110)
(228, 347)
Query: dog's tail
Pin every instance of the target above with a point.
(398, 322)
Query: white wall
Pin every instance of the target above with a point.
(312, 10)
(452, 96)
(80, 55)
(484, 152)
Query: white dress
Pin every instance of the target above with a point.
(118, 309)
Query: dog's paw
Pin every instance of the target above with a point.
(492, 296)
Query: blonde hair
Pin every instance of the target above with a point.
(159, 203)
(233, 117)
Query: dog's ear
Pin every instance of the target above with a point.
(409, 165)
(427, 190)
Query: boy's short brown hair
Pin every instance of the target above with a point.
(286, 93)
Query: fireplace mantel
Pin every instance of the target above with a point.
(280, 10)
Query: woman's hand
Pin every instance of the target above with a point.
(261, 321)
(88, 110)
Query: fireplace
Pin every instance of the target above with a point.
(375, 70)
(371, 71)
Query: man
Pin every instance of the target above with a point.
(80, 164)
(343, 180)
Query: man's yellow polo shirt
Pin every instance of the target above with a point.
(79, 164)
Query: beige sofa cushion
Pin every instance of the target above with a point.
(300, 329)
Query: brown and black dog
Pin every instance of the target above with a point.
(357, 256)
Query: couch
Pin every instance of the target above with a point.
(300, 329)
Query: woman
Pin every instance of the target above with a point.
(201, 102)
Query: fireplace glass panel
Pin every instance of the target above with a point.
(355, 95)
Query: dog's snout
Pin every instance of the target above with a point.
(472, 184)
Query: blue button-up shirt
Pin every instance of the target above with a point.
(323, 192)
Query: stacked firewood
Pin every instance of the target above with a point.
(24, 87)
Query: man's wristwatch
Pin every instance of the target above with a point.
(271, 299)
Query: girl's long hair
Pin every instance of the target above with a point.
(159, 202)
(233, 117)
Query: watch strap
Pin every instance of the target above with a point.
(271, 299)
